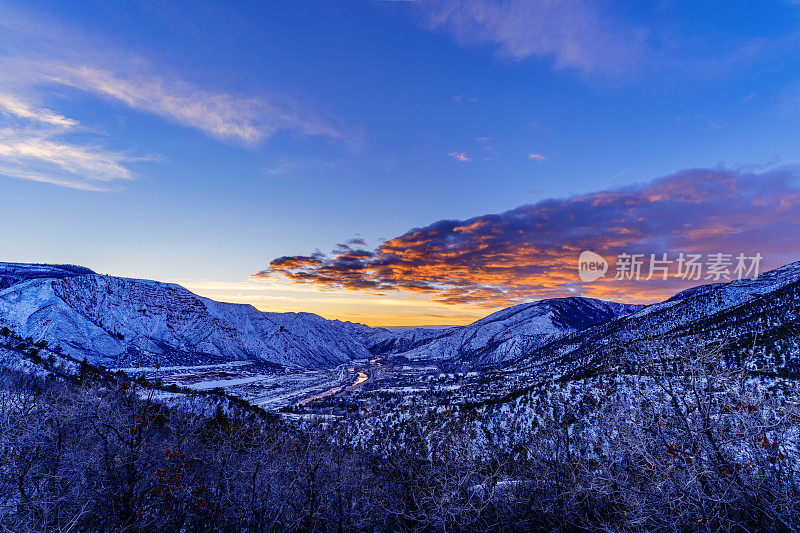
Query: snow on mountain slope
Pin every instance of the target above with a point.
(11, 273)
(124, 322)
(386, 342)
(120, 321)
(503, 335)
(749, 308)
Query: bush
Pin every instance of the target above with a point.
(682, 444)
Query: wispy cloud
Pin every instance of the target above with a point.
(537, 157)
(459, 156)
(39, 60)
(13, 106)
(38, 156)
(33, 147)
(574, 33)
(221, 115)
(531, 252)
(595, 41)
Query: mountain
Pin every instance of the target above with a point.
(502, 336)
(122, 322)
(388, 342)
(756, 321)
(11, 273)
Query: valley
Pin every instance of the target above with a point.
(263, 386)
(303, 365)
(510, 414)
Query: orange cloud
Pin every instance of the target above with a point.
(459, 156)
(531, 252)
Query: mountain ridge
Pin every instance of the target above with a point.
(122, 321)
(499, 337)
(125, 321)
(694, 319)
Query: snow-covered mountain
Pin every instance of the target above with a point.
(388, 342)
(122, 322)
(11, 273)
(504, 335)
(745, 319)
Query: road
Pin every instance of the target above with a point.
(361, 378)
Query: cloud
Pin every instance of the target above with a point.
(594, 39)
(40, 60)
(355, 242)
(12, 105)
(571, 32)
(537, 157)
(459, 156)
(139, 86)
(531, 252)
(33, 147)
(39, 156)
(224, 116)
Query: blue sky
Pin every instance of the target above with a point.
(196, 142)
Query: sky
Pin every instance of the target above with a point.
(400, 163)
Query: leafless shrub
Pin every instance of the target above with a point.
(664, 442)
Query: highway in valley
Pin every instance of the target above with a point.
(362, 377)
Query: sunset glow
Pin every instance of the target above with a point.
(413, 162)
